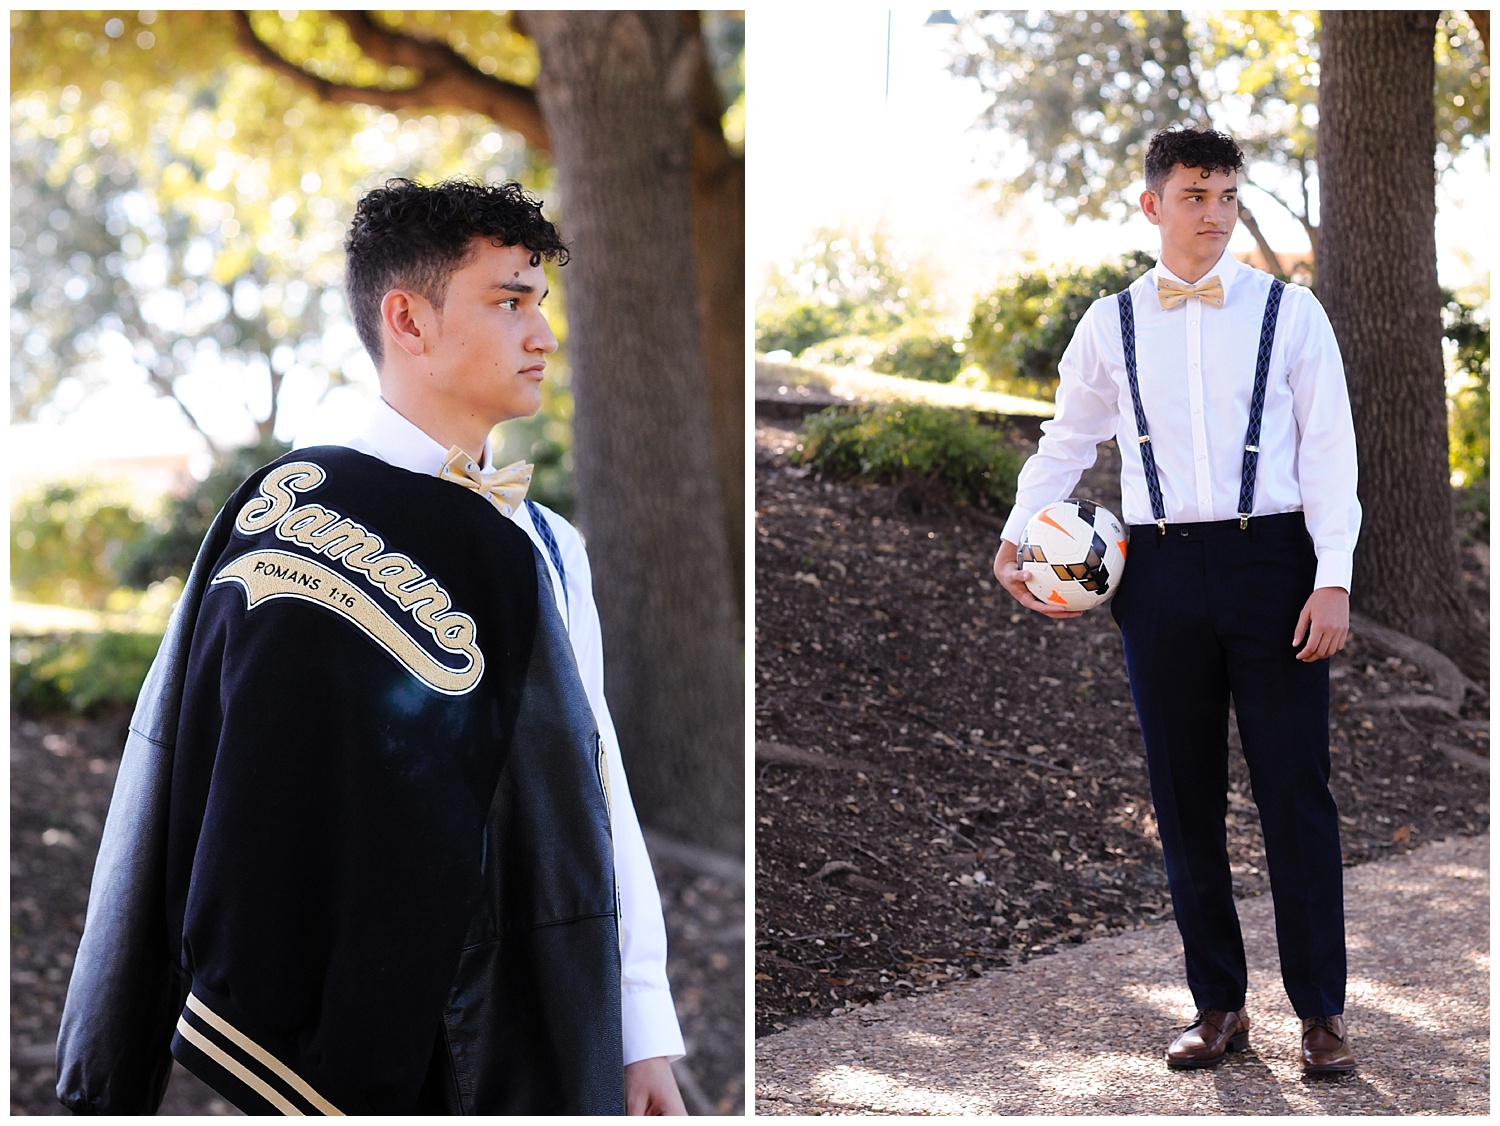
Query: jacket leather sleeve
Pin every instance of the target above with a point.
(127, 987)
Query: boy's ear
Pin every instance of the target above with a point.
(402, 317)
(1149, 204)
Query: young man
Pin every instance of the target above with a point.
(1226, 394)
(372, 848)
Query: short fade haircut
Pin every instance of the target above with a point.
(406, 236)
(1207, 149)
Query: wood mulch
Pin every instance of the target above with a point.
(947, 785)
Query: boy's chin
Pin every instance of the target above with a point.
(521, 410)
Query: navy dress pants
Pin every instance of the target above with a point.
(1207, 613)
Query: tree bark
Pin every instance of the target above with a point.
(717, 179)
(616, 92)
(1377, 277)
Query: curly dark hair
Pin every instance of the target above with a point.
(1192, 148)
(413, 237)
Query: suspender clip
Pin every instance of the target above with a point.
(1244, 520)
(1161, 526)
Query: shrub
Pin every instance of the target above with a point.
(82, 673)
(70, 543)
(795, 325)
(1019, 332)
(893, 443)
(841, 283)
(918, 350)
(1467, 333)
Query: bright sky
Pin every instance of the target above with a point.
(827, 147)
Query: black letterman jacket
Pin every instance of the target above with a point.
(358, 855)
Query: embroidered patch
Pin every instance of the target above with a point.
(269, 573)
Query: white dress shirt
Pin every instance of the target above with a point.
(649, 1020)
(1196, 371)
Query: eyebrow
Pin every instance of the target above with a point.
(514, 286)
(1206, 191)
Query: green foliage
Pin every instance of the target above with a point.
(892, 443)
(795, 325)
(916, 350)
(840, 284)
(181, 209)
(1463, 87)
(110, 281)
(1467, 333)
(69, 542)
(1084, 91)
(81, 673)
(172, 543)
(1018, 333)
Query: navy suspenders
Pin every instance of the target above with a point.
(1148, 458)
(1258, 399)
(1257, 406)
(545, 529)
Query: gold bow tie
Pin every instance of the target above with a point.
(1172, 294)
(504, 488)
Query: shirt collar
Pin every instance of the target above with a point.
(1227, 268)
(398, 441)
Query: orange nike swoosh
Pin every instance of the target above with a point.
(1048, 520)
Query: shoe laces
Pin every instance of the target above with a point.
(1325, 1023)
(1201, 1017)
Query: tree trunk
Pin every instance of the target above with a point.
(1377, 277)
(718, 190)
(616, 92)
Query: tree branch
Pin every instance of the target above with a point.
(448, 79)
(166, 386)
(1305, 220)
(1272, 261)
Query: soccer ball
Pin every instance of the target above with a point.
(1073, 553)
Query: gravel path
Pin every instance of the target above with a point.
(1083, 1031)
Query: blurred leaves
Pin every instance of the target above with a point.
(892, 443)
(851, 297)
(1466, 333)
(1083, 91)
(81, 673)
(213, 193)
(1019, 331)
(69, 542)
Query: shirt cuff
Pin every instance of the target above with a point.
(1015, 525)
(1335, 568)
(649, 1024)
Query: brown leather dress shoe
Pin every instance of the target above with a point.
(1325, 1046)
(1208, 1038)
